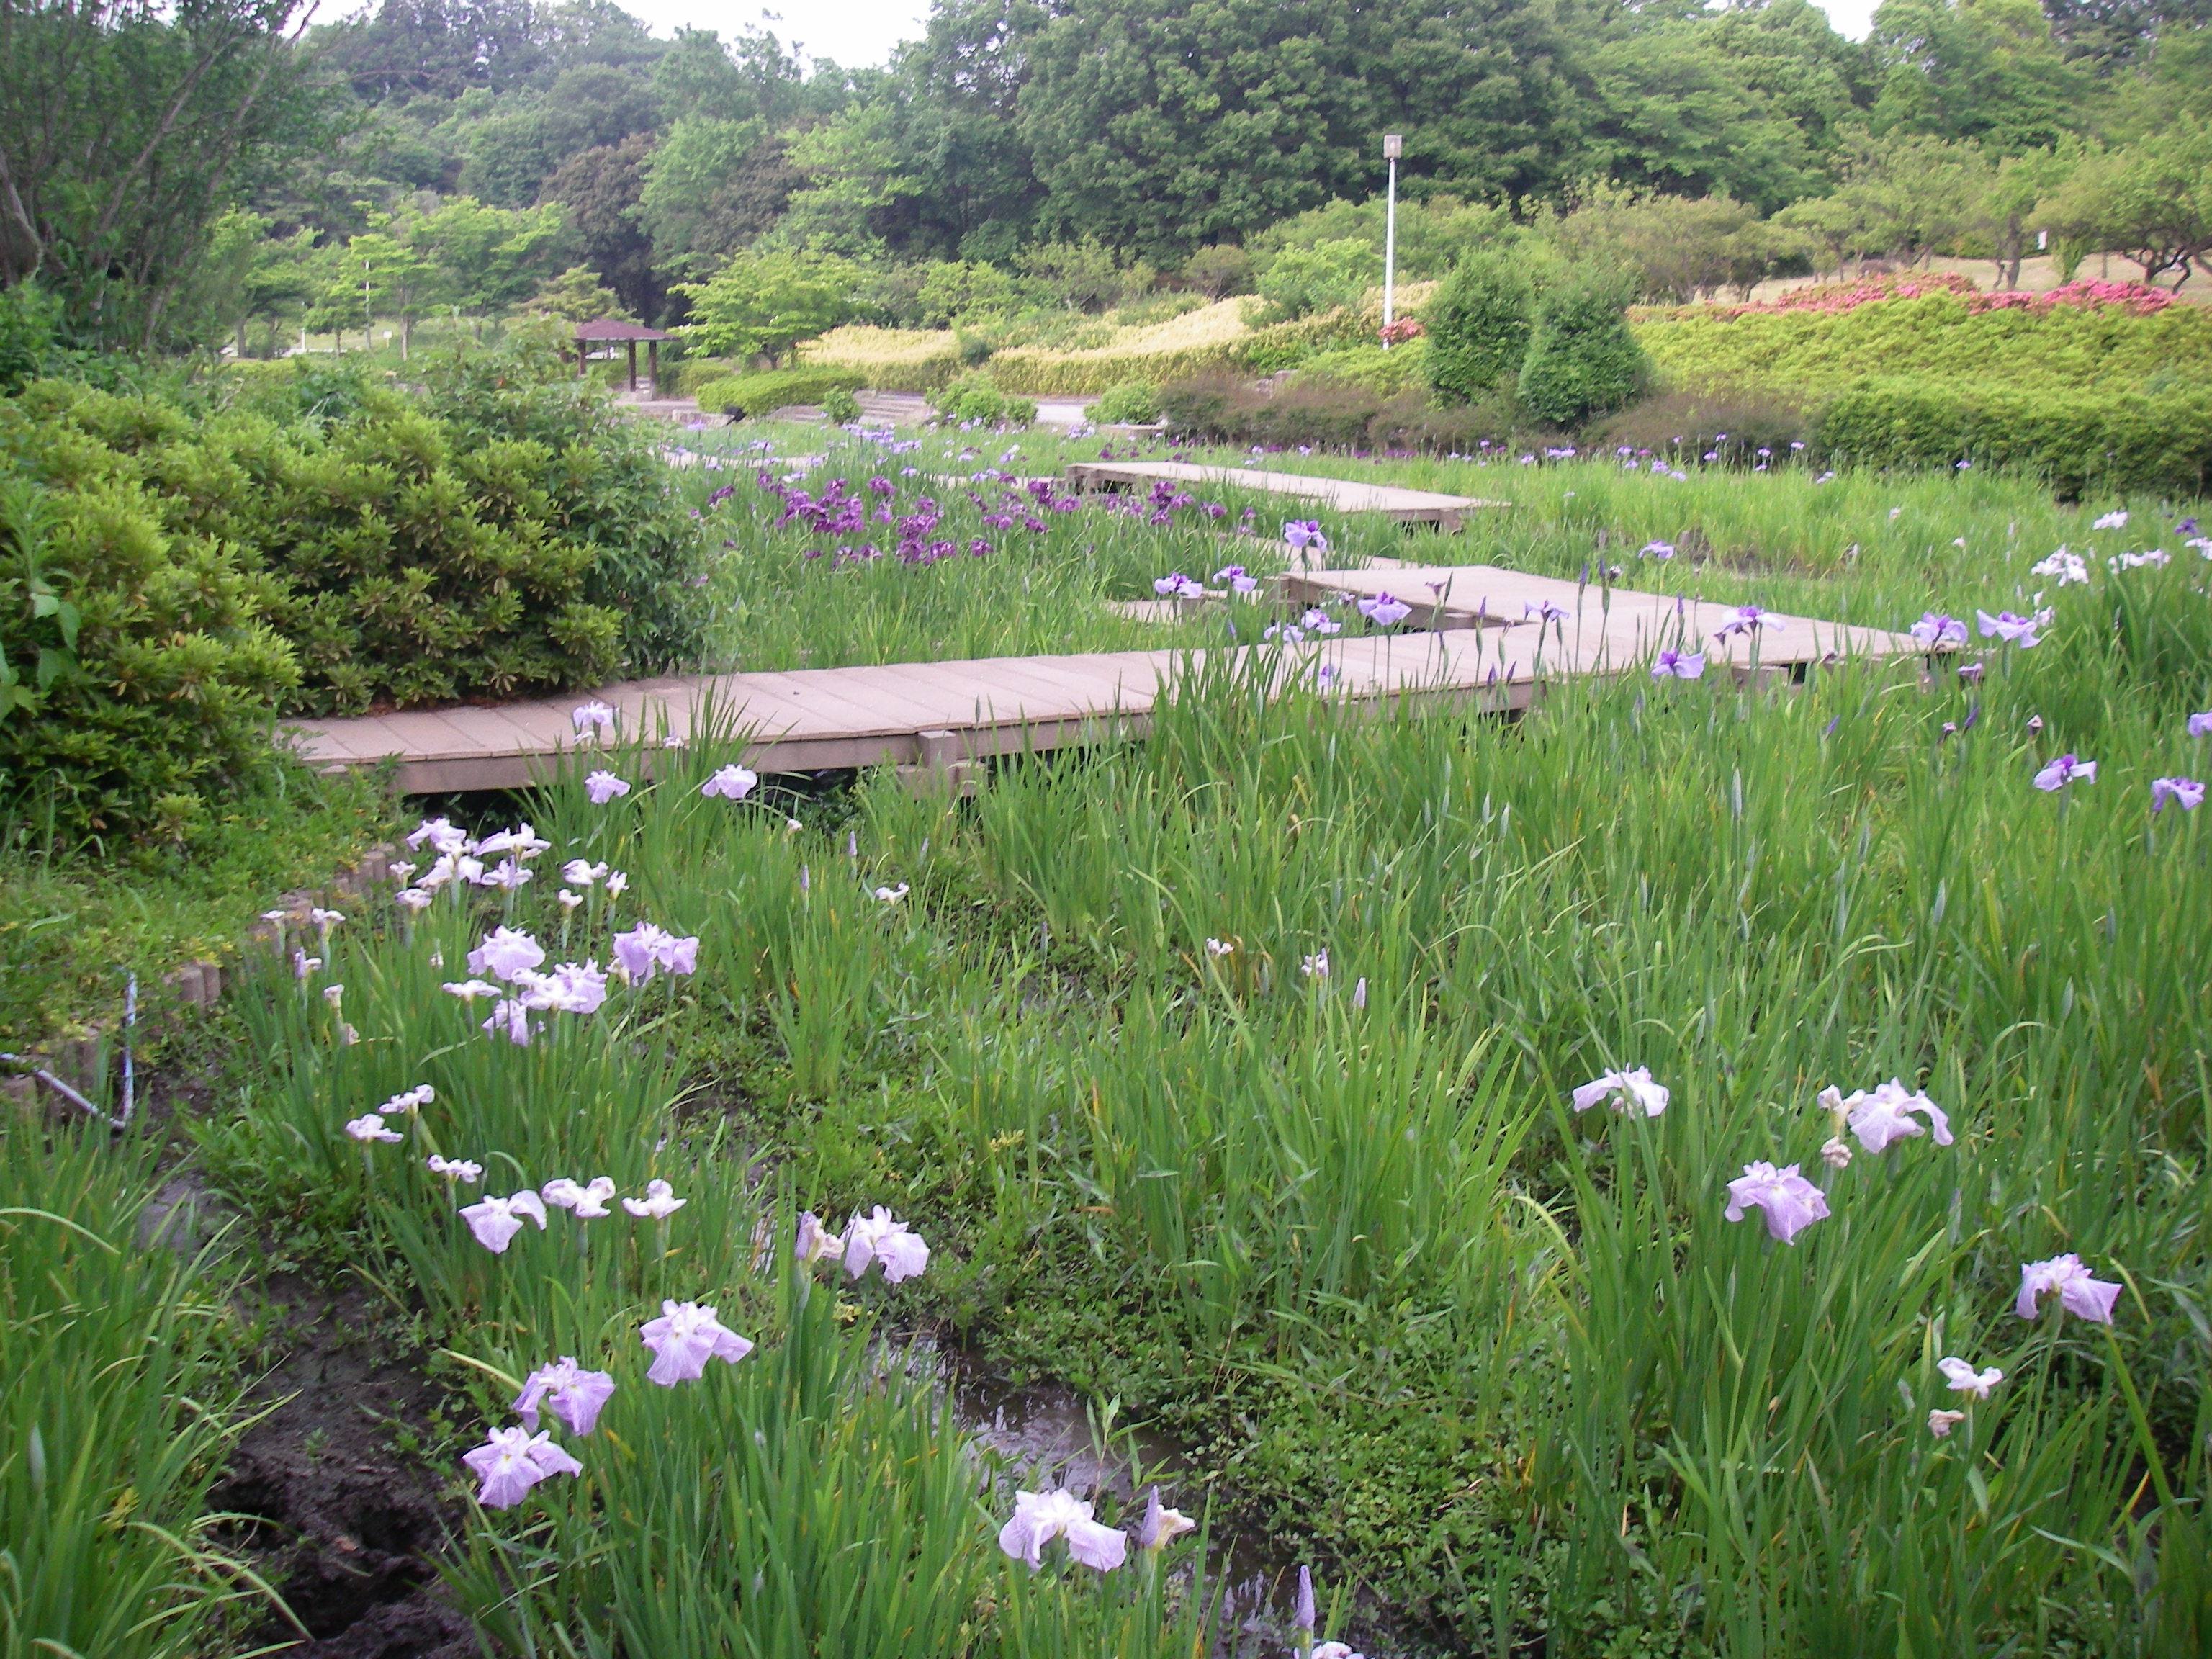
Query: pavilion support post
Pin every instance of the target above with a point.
(653, 365)
(633, 368)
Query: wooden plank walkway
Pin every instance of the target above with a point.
(940, 716)
(1406, 507)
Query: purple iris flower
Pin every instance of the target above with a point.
(1385, 610)
(2012, 629)
(512, 1462)
(2078, 1293)
(1747, 619)
(684, 1339)
(2065, 770)
(1934, 629)
(1301, 533)
(2187, 794)
(2200, 726)
(1545, 611)
(1678, 664)
(1790, 1202)
(574, 1395)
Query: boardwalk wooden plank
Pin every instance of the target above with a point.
(1340, 495)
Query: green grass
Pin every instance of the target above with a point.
(1341, 1237)
(1401, 1306)
(75, 923)
(117, 1406)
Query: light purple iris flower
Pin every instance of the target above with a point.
(659, 1203)
(505, 953)
(2200, 726)
(2012, 629)
(589, 1203)
(1934, 629)
(1305, 1613)
(2078, 1294)
(731, 783)
(2065, 770)
(1317, 621)
(1658, 550)
(1301, 533)
(495, 1221)
(592, 716)
(1965, 1379)
(573, 988)
(574, 1395)
(1236, 576)
(512, 1462)
(877, 1237)
(370, 1127)
(1385, 610)
(684, 1339)
(1885, 1115)
(600, 788)
(1790, 1202)
(511, 1014)
(1177, 586)
(1748, 619)
(439, 833)
(1041, 1517)
(646, 949)
(1545, 611)
(1624, 1091)
(1678, 664)
(2187, 794)
(815, 1242)
(1161, 1525)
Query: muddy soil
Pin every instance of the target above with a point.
(345, 1525)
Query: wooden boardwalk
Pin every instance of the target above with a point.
(939, 717)
(1406, 507)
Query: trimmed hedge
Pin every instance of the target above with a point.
(755, 395)
(1937, 336)
(2082, 442)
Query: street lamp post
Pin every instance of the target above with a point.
(1392, 144)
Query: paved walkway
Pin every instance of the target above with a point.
(1337, 495)
(941, 716)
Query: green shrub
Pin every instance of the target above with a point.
(140, 678)
(1386, 373)
(1935, 337)
(1479, 324)
(2082, 442)
(1732, 428)
(500, 532)
(976, 396)
(755, 395)
(1303, 282)
(1133, 403)
(1581, 361)
(842, 406)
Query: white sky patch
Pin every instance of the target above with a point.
(1851, 18)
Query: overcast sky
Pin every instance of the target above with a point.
(861, 33)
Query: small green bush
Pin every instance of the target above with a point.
(1133, 403)
(1582, 360)
(1479, 324)
(976, 397)
(1305, 282)
(141, 677)
(842, 406)
(754, 395)
(2082, 442)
